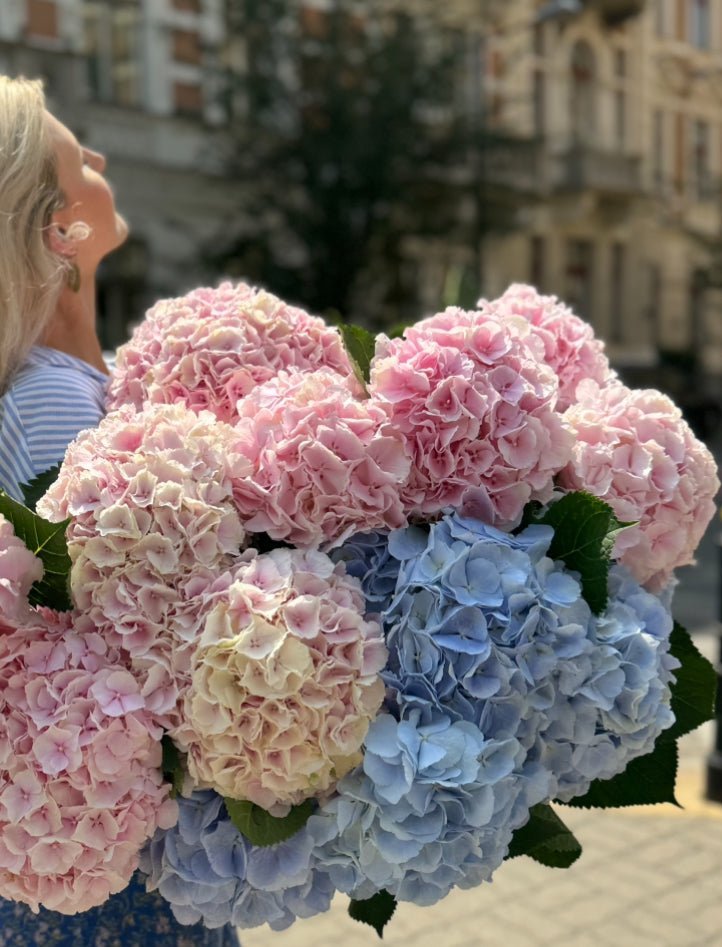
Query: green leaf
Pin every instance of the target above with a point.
(361, 346)
(397, 331)
(376, 911)
(546, 839)
(47, 541)
(532, 513)
(39, 486)
(263, 829)
(585, 529)
(647, 781)
(172, 765)
(693, 693)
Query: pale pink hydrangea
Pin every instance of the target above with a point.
(476, 404)
(81, 788)
(286, 680)
(19, 569)
(570, 347)
(213, 346)
(153, 528)
(634, 450)
(321, 462)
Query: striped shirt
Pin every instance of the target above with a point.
(53, 397)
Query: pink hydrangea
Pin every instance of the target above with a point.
(570, 347)
(635, 451)
(475, 402)
(153, 528)
(80, 783)
(285, 681)
(321, 462)
(213, 346)
(19, 569)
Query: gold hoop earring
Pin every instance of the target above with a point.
(73, 278)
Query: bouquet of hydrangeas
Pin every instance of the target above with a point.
(313, 612)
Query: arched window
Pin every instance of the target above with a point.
(583, 87)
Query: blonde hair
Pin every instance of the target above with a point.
(31, 274)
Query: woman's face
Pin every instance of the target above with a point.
(88, 198)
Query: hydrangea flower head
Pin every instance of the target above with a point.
(570, 347)
(211, 347)
(19, 569)
(476, 403)
(615, 710)
(285, 681)
(153, 529)
(633, 449)
(209, 872)
(322, 463)
(80, 783)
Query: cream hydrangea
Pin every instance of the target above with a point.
(153, 530)
(285, 681)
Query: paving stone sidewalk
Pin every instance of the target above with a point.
(649, 877)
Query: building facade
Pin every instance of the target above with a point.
(612, 193)
(133, 79)
(621, 105)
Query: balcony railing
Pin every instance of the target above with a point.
(582, 168)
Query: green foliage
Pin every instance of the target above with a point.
(361, 346)
(376, 911)
(39, 486)
(347, 166)
(647, 781)
(585, 529)
(172, 765)
(263, 829)
(546, 839)
(693, 693)
(47, 541)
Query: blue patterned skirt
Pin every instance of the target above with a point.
(133, 918)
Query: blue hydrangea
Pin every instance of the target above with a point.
(433, 806)
(616, 712)
(208, 871)
(367, 558)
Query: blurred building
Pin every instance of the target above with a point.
(617, 193)
(593, 170)
(131, 78)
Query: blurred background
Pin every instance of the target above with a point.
(383, 158)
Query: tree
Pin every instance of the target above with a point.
(348, 128)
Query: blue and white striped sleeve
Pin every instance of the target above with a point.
(16, 466)
(41, 414)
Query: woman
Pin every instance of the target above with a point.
(57, 222)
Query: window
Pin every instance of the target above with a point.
(539, 94)
(658, 162)
(680, 157)
(537, 262)
(654, 302)
(112, 40)
(583, 93)
(620, 64)
(699, 26)
(616, 298)
(661, 17)
(620, 118)
(700, 160)
(579, 276)
(187, 98)
(42, 19)
(187, 47)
